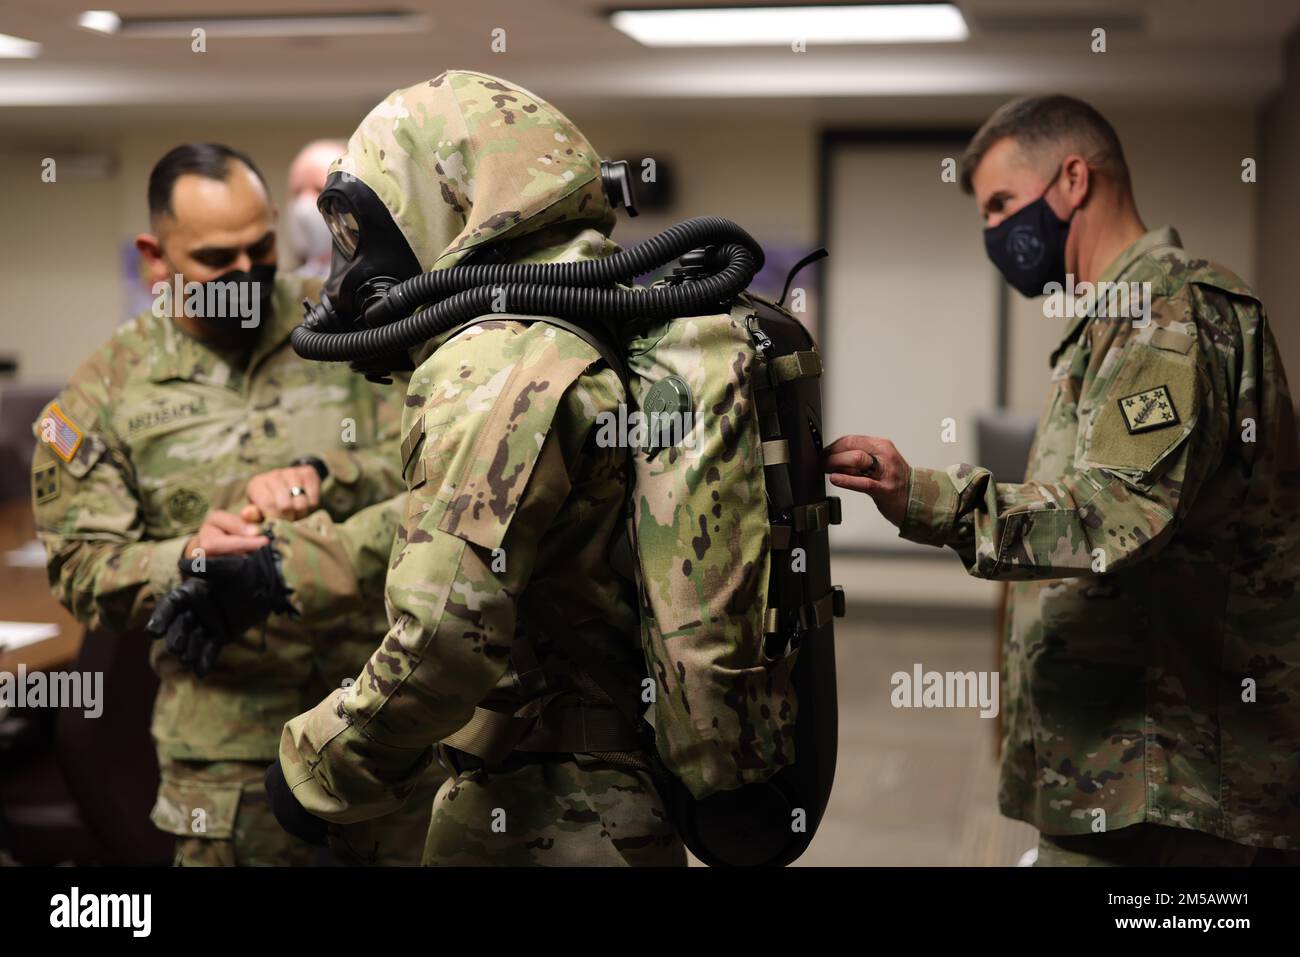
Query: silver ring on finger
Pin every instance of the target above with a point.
(297, 490)
(872, 467)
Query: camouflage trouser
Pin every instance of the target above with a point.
(1154, 845)
(221, 817)
(559, 813)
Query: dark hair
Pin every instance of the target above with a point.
(1035, 122)
(209, 160)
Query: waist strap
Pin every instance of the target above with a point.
(544, 726)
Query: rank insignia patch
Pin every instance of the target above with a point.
(60, 433)
(1152, 409)
(45, 483)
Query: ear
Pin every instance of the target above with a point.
(1076, 179)
(150, 249)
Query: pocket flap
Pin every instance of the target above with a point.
(1150, 408)
(196, 809)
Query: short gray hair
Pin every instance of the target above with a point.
(1057, 120)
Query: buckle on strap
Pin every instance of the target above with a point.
(818, 515)
(824, 610)
(795, 365)
(806, 518)
(776, 452)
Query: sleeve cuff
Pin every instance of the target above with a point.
(932, 502)
(338, 491)
(164, 564)
(315, 566)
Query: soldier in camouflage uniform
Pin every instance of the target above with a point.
(174, 420)
(512, 509)
(1152, 650)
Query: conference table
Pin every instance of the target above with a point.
(25, 598)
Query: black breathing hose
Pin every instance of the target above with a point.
(431, 303)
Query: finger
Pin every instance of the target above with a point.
(207, 658)
(178, 634)
(163, 615)
(847, 443)
(230, 524)
(221, 545)
(279, 484)
(251, 513)
(858, 483)
(848, 461)
(309, 480)
(302, 504)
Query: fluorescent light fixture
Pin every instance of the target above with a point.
(101, 21)
(18, 48)
(277, 25)
(781, 26)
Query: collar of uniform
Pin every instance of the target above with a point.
(1150, 241)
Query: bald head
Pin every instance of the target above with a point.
(309, 168)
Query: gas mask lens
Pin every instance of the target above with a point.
(341, 222)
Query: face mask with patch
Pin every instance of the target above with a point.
(1028, 247)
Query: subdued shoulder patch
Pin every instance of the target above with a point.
(46, 483)
(60, 433)
(1149, 410)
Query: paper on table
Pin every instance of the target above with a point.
(16, 634)
(31, 555)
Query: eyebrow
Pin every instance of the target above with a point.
(204, 250)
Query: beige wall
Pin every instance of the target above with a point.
(61, 251)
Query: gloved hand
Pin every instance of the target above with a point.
(219, 599)
(293, 817)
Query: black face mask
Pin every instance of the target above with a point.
(231, 297)
(370, 253)
(1028, 247)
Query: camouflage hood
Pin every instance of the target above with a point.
(467, 158)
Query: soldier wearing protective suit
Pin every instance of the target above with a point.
(512, 509)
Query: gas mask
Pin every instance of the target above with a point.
(370, 257)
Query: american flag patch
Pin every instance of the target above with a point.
(60, 433)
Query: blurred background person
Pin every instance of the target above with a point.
(305, 232)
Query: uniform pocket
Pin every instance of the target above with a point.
(196, 808)
(1148, 411)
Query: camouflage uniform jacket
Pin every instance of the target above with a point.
(1152, 655)
(153, 432)
(512, 508)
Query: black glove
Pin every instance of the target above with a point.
(293, 817)
(219, 599)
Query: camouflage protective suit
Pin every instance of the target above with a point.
(154, 431)
(512, 509)
(1157, 678)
